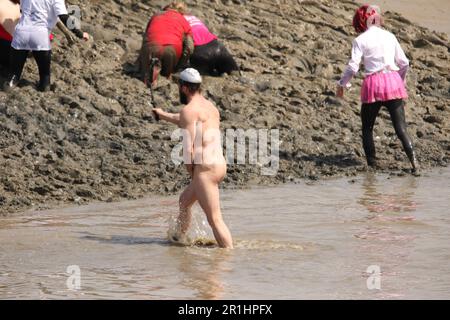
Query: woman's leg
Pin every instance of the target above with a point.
(369, 113)
(397, 112)
(43, 60)
(16, 64)
(5, 48)
(225, 62)
(202, 57)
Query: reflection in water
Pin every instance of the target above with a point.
(385, 205)
(382, 203)
(203, 270)
(383, 240)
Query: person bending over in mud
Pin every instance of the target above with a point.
(384, 84)
(210, 56)
(168, 39)
(204, 160)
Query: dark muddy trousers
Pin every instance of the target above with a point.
(213, 59)
(369, 113)
(5, 47)
(43, 60)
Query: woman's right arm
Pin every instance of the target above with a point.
(351, 70)
(353, 65)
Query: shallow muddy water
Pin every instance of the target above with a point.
(303, 241)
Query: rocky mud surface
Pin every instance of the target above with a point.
(93, 138)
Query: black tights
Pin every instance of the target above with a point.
(5, 47)
(43, 60)
(213, 59)
(369, 113)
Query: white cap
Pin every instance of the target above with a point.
(191, 75)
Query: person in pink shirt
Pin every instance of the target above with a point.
(210, 55)
(385, 66)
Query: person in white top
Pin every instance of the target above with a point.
(385, 66)
(32, 33)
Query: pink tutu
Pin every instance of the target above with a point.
(383, 86)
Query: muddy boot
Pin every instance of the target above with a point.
(414, 164)
(10, 84)
(44, 85)
(372, 163)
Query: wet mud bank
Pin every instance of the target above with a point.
(93, 138)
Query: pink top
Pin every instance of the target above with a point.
(200, 31)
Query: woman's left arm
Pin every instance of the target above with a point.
(61, 11)
(80, 34)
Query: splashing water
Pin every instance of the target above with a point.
(199, 233)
